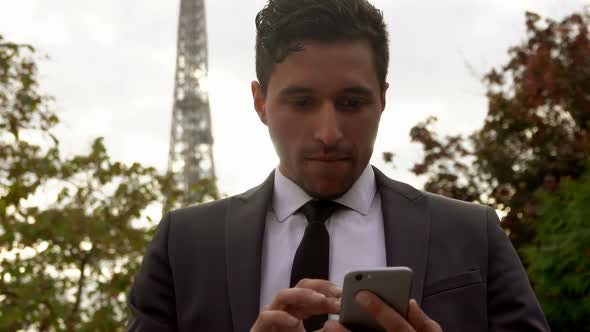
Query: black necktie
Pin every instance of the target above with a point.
(312, 258)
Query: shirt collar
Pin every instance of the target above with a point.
(288, 197)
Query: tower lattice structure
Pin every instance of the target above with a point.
(191, 141)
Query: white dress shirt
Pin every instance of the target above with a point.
(356, 233)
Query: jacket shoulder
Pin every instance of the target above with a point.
(456, 208)
(448, 217)
(218, 208)
(437, 203)
(199, 212)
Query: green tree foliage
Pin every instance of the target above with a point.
(72, 230)
(535, 134)
(559, 258)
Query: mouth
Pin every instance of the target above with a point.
(328, 159)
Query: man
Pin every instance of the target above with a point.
(273, 258)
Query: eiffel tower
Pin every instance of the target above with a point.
(191, 141)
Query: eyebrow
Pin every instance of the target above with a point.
(295, 90)
(359, 90)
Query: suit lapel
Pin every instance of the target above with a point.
(244, 235)
(406, 220)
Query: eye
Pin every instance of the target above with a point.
(300, 102)
(352, 103)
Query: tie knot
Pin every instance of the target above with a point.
(318, 210)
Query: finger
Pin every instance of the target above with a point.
(416, 317)
(322, 286)
(275, 319)
(386, 316)
(419, 320)
(303, 303)
(291, 296)
(333, 326)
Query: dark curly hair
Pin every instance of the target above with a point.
(281, 24)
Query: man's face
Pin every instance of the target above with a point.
(322, 109)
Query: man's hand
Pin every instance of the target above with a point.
(291, 306)
(388, 318)
(391, 320)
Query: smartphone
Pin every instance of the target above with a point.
(392, 284)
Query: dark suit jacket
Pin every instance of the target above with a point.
(202, 270)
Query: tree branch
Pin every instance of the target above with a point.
(79, 291)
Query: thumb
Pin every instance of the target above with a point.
(419, 320)
(416, 317)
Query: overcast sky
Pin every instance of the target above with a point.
(111, 70)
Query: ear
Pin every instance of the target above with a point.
(259, 101)
(384, 96)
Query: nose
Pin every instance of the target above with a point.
(328, 128)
